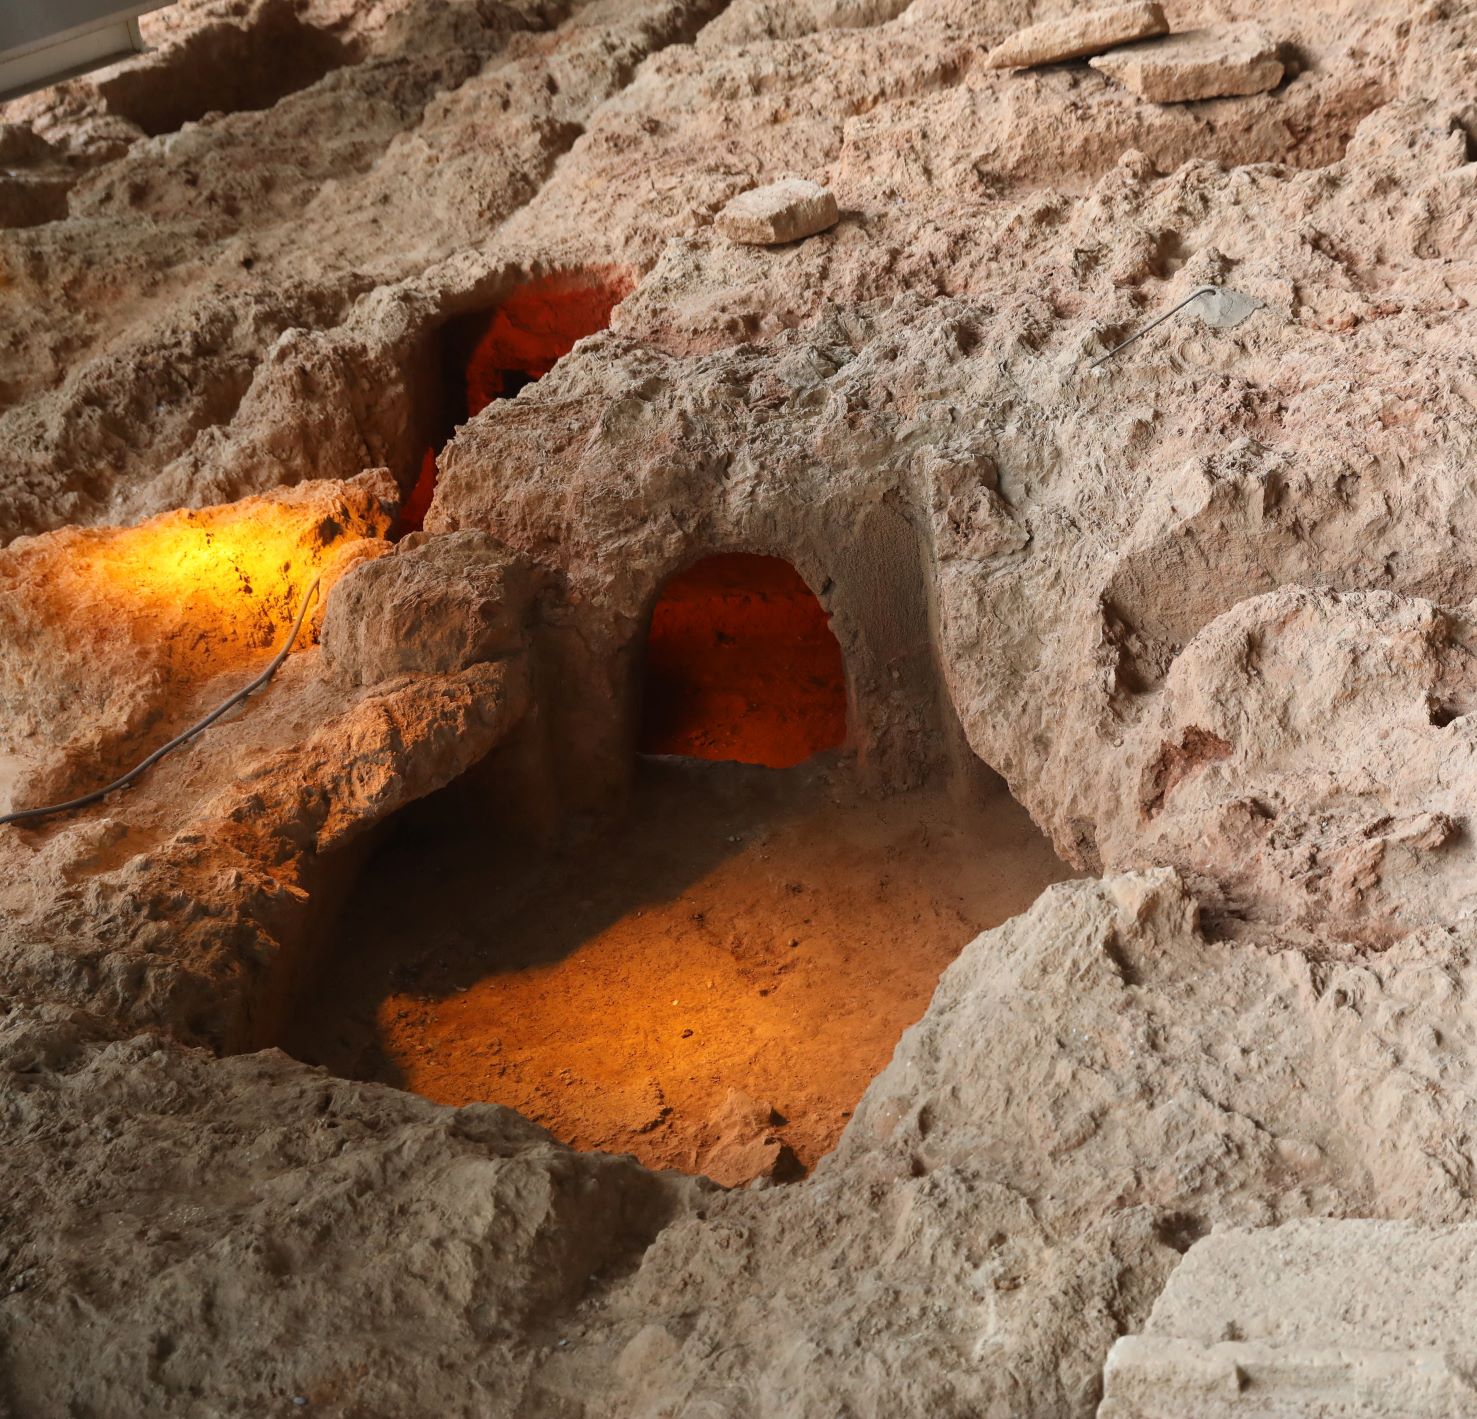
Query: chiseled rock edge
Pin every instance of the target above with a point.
(1229, 61)
(1267, 1322)
(1078, 35)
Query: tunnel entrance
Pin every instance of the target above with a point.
(492, 354)
(710, 980)
(742, 665)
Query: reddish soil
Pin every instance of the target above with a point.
(745, 929)
(741, 665)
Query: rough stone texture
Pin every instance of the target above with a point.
(1230, 60)
(1094, 1087)
(437, 604)
(739, 1143)
(1209, 615)
(1077, 35)
(1318, 740)
(779, 212)
(743, 21)
(251, 1189)
(1325, 1320)
(107, 636)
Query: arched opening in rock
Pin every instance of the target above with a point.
(710, 979)
(491, 354)
(742, 665)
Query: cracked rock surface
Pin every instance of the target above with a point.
(1208, 613)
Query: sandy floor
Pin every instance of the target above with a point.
(746, 929)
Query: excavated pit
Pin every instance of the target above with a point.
(687, 860)
(225, 69)
(710, 980)
(715, 977)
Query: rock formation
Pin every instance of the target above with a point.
(1232, 60)
(1207, 611)
(1077, 35)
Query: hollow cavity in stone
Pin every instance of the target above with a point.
(741, 664)
(492, 354)
(709, 983)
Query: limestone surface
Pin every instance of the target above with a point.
(1018, 1187)
(1320, 1319)
(1077, 35)
(434, 605)
(778, 212)
(1198, 64)
(1208, 614)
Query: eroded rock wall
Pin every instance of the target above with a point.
(1208, 612)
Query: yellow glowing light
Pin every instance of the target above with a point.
(236, 574)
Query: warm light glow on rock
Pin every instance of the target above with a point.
(537, 325)
(741, 664)
(237, 572)
(491, 354)
(107, 634)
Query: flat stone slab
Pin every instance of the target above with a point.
(1318, 1320)
(1077, 36)
(782, 211)
(1227, 61)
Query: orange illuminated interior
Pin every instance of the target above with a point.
(739, 929)
(741, 664)
(492, 354)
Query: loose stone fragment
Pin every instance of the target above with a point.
(1270, 1304)
(1229, 60)
(782, 211)
(1077, 36)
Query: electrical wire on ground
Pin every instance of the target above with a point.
(30, 815)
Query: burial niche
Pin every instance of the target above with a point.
(492, 354)
(742, 665)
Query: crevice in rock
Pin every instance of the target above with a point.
(224, 68)
(485, 355)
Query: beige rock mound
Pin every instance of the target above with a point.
(1050, 1137)
(197, 899)
(1314, 752)
(436, 604)
(1077, 35)
(1230, 60)
(1324, 1320)
(284, 1240)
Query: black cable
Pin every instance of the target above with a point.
(26, 815)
